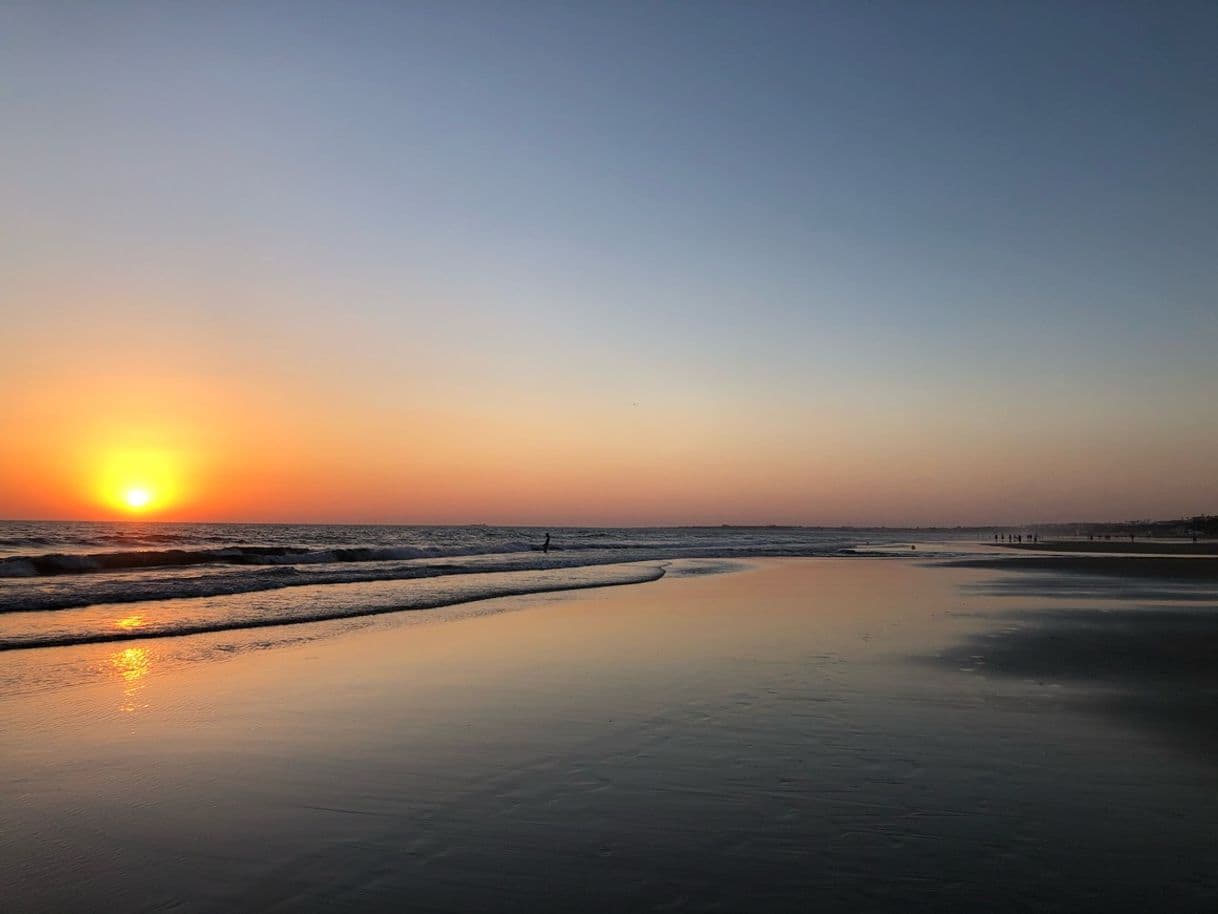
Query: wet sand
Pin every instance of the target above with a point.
(841, 734)
(1163, 568)
(1144, 547)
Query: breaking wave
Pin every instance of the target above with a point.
(98, 622)
(68, 563)
(64, 582)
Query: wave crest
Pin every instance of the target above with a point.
(91, 563)
(357, 599)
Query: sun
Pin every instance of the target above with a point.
(143, 482)
(137, 497)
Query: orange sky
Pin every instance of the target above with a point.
(228, 446)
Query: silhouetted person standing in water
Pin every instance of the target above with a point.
(545, 547)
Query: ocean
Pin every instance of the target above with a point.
(81, 582)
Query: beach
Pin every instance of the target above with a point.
(834, 733)
(1120, 546)
(606, 458)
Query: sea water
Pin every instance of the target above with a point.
(78, 582)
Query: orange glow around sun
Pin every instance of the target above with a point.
(139, 481)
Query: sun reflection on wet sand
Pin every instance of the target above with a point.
(133, 664)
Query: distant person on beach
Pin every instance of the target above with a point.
(545, 547)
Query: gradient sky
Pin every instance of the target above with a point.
(902, 263)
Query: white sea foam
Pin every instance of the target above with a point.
(157, 619)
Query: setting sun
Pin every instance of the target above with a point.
(137, 497)
(139, 481)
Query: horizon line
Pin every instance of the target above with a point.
(659, 526)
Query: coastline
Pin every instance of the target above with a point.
(487, 586)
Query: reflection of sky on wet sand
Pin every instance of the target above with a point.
(132, 665)
(1093, 588)
(1144, 664)
(744, 736)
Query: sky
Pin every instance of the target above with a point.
(609, 263)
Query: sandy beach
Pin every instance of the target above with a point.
(849, 734)
(1123, 547)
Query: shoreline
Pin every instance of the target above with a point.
(658, 570)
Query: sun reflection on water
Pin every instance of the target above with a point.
(132, 664)
(130, 622)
